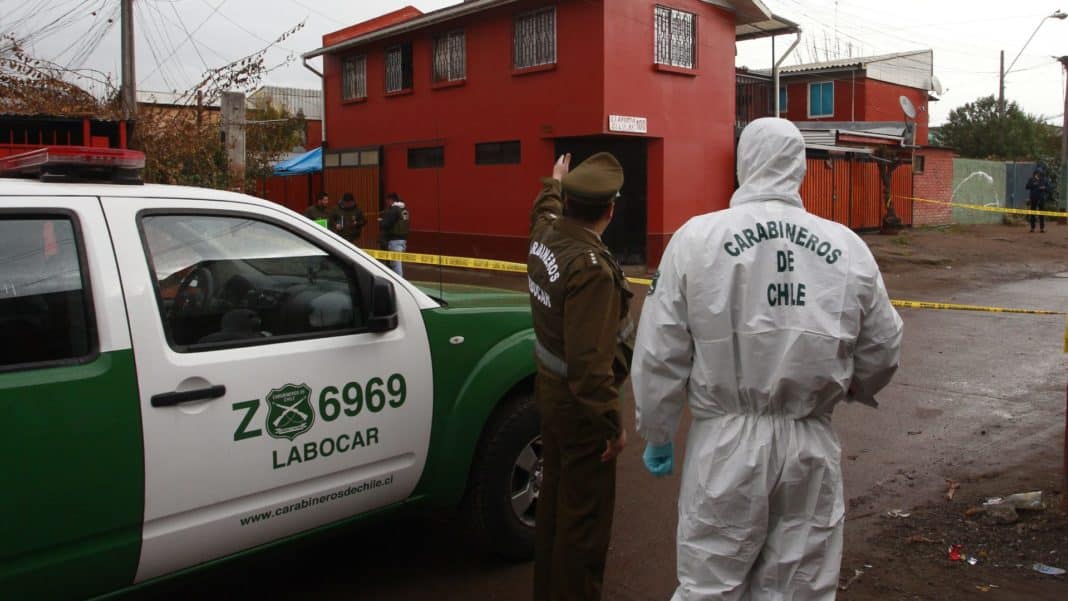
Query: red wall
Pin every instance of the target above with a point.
(875, 101)
(694, 164)
(604, 66)
(935, 183)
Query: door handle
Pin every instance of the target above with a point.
(169, 399)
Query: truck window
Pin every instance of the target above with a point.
(225, 281)
(44, 308)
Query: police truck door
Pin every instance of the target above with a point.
(269, 404)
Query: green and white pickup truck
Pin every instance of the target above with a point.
(187, 375)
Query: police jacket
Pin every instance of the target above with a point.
(349, 220)
(395, 222)
(1038, 188)
(762, 309)
(580, 304)
(316, 213)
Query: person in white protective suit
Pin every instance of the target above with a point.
(762, 317)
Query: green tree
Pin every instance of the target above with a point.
(978, 131)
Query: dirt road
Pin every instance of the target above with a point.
(980, 400)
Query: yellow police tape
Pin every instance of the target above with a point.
(987, 208)
(512, 267)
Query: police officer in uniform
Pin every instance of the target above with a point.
(580, 304)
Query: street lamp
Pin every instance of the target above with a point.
(1001, 88)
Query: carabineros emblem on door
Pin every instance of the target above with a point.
(289, 412)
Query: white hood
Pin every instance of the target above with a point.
(771, 162)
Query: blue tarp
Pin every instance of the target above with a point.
(309, 162)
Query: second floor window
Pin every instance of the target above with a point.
(450, 57)
(675, 37)
(535, 38)
(399, 68)
(821, 99)
(354, 78)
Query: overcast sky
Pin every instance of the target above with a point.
(178, 39)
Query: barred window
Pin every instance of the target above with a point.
(497, 153)
(450, 59)
(535, 38)
(399, 68)
(354, 77)
(675, 36)
(426, 158)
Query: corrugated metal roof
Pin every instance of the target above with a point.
(170, 98)
(861, 61)
(295, 100)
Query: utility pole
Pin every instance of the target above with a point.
(129, 84)
(233, 131)
(1001, 86)
(1064, 143)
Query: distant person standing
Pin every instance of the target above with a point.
(1038, 188)
(349, 219)
(320, 212)
(393, 229)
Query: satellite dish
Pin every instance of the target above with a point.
(936, 86)
(907, 107)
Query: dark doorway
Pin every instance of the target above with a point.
(625, 236)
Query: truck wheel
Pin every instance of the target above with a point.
(506, 479)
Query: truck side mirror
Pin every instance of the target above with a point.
(383, 315)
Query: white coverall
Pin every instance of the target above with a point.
(763, 317)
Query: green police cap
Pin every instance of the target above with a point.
(596, 181)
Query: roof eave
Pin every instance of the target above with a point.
(432, 18)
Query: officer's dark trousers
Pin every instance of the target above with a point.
(575, 505)
(1036, 205)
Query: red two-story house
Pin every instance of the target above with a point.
(461, 110)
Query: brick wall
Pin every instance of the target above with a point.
(935, 183)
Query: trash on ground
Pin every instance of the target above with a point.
(953, 486)
(919, 538)
(915, 432)
(1028, 501)
(1045, 569)
(956, 552)
(897, 513)
(972, 560)
(848, 583)
(1000, 513)
(971, 511)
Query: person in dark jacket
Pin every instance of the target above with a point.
(393, 229)
(320, 212)
(349, 219)
(1038, 188)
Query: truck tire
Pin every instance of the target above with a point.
(505, 479)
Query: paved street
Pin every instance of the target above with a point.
(975, 391)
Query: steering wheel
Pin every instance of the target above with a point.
(195, 291)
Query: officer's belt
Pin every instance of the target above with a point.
(557, 365)
(549, 360)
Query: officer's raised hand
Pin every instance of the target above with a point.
(562, 166)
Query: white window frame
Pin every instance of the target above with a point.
(671, 51)
(443, 68)
(809, 99)
(527, 23)
(356, 79)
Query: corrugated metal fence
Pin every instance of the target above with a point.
(849, 191)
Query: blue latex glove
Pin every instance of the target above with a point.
(659, 459)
